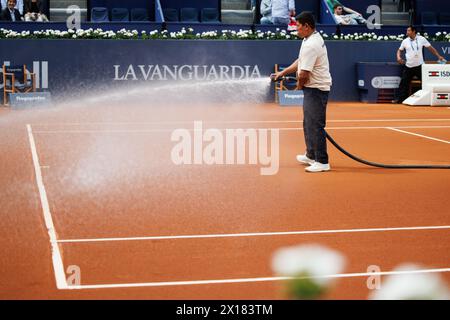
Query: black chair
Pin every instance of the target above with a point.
(17, 79)
(99, 14)
(189, 15)
(444, 18)
(209, 15)
(139, 14)
(429, 18)
(120, 15)
(171, 15)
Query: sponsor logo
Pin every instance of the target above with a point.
(439, 74)
(294, 96)
(40, 68)
(185, 72)
(29, 99)
(442, 96)
(386, 82)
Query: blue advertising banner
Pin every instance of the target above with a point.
(68, 67)
(31, 99)
(291, 97)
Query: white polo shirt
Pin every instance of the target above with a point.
(414, 50)
(313, 57)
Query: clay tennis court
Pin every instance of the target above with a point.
(140, 227)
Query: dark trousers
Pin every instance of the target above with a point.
(314, 121)
(407, 76)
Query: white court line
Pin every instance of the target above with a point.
(243, 280)
(58, 265)
(254, 234)
(280, 129)
(419, 135)
(235, 121)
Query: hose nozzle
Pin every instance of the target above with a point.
(283, 78)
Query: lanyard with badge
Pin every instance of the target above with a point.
(415, 50)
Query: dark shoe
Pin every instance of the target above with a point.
(395, 101)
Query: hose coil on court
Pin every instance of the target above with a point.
(369, 163)
(381, 165)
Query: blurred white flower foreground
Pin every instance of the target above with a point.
(310, 265)
(412, 286)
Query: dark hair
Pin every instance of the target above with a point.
(413, 28)
(306, 18)
(336, 6)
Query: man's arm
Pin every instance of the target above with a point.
(399, 57)
(291, 69)
(303, 78)
(348, 10)
(434, 51)
(292, 8)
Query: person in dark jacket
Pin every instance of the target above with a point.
(10, 13)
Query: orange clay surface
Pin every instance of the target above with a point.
(108, 173)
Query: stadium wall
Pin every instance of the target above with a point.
(71, 66)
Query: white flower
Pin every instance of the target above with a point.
(312, 260)
(411, 286)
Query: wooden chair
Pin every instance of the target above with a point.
(17, 79)
(283, 84)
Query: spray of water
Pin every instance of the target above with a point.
(102, 160)
(186, 92)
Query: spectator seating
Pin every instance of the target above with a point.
(99, 14)
(120, 15)
(429, 18)
(171, 15)
(139, 14)
(209, 15)
(444, 18)
(189, 15)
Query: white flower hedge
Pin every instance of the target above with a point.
(190, 34)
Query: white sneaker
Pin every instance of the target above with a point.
(318, 167)
(302, 158)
